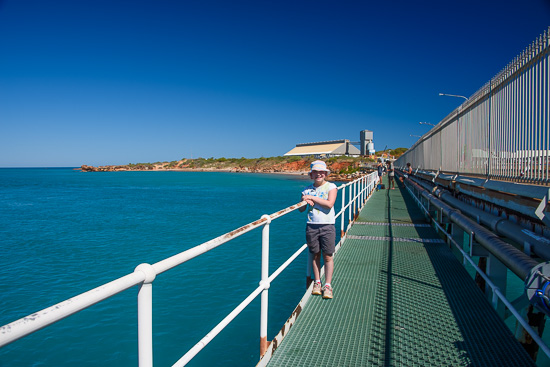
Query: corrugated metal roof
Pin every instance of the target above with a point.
(315, 149)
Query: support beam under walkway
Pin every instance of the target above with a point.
(401, 298)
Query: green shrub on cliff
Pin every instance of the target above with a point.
(253, 164)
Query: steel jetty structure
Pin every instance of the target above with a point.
(402, 297)
(405, 293)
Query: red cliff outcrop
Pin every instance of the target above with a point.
(341, 170)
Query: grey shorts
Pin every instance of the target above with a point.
(321, 237)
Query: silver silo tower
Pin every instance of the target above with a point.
(367, 145)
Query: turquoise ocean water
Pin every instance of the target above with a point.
(64, 232)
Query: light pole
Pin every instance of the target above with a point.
(453, 95)
(425, 123)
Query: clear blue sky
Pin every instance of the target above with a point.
(115, 82)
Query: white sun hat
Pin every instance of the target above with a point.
(319, 166)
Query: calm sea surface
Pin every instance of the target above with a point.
(64, 232)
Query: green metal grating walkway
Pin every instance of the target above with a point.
(400, 299)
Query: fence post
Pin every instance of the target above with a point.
(365, 190)
(355, 200)
(265, 282)
(145, 316)
(361, 193)
(352, 203)
(343, 212)
(349, 207)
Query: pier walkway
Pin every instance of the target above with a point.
(401, 298)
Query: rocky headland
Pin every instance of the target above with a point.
(342, 168)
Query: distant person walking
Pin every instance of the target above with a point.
(391, 175)
(380, 168)
(320, 231)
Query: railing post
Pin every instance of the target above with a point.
(265, 283)
(349, 205)
(145, 316)
(342, 219)
(361, 193)
(362, 185)
(352, 202)
(365, 191)
(355, 199)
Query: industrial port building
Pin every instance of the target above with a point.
(334, 148)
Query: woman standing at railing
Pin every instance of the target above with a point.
(391, 175)
(320, 230)
(380, 168)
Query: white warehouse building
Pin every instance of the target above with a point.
(336, 148)
(325, 149)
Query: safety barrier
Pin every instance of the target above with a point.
(502, 131)
(354, 194)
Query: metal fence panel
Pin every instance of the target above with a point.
(502, 131)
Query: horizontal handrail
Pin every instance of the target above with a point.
(216, 330)
(38, 320)
(182, 257)
(145, 274)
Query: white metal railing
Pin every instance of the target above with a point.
(502, 131)
(144, 275)
(496, 293)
